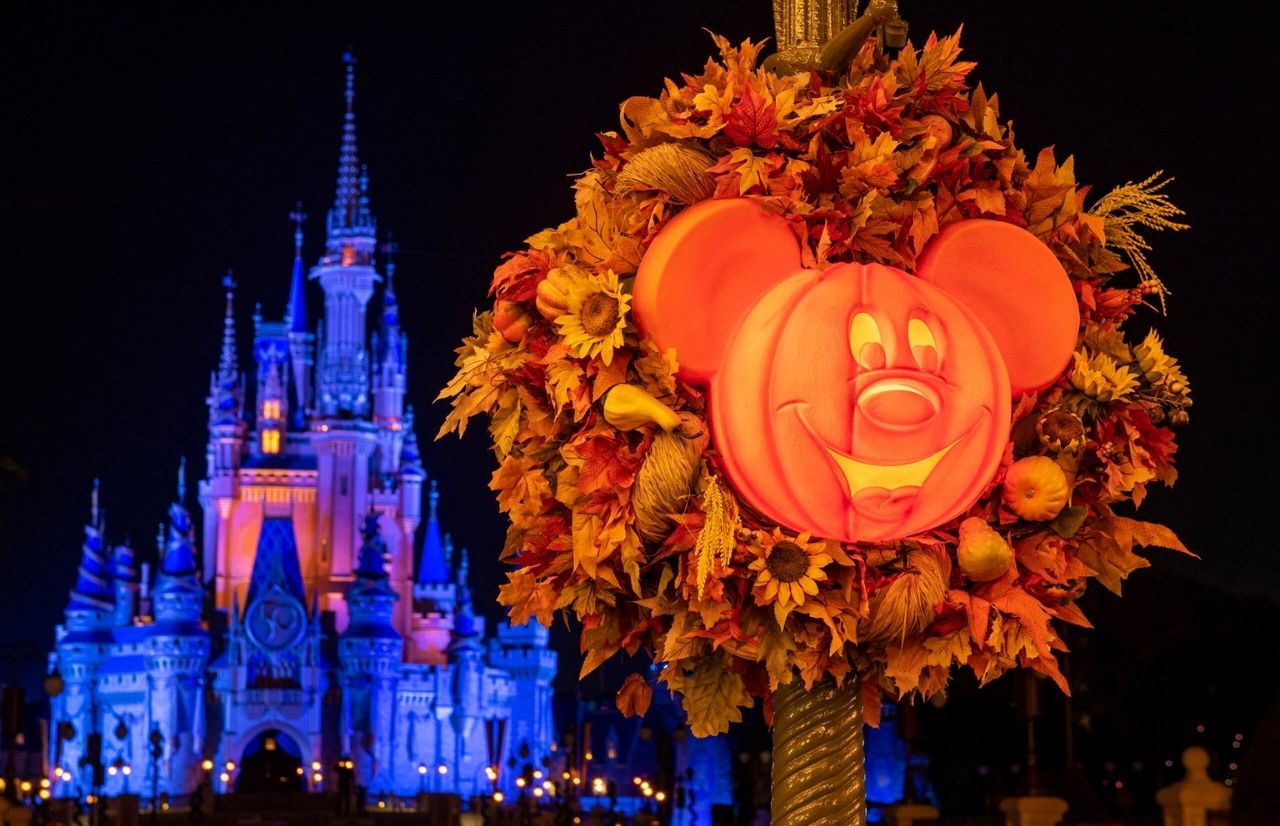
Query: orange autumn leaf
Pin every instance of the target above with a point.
(527, 597)
(634, 696)
(606, 464)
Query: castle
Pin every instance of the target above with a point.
(298, 639)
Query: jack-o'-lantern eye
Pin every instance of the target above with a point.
(865, 343)
(924, 349)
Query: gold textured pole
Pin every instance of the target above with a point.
(803, 27)
(819, 776)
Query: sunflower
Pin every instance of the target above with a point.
(597, 313)
(787, 570)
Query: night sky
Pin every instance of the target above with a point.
(145, 153)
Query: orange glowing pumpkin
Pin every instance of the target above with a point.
(860, 402)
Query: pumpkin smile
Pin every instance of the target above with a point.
(863, 476)
(882, 487)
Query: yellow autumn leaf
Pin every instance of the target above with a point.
(711, 695)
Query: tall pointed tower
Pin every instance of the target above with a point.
(227, 429)
(343, 437)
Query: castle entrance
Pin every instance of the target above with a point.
(272, 763)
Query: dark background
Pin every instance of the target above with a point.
(143, 151)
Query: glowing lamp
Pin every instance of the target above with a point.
(422, 768)
(498, 797)
(859, 402)
(207, 765)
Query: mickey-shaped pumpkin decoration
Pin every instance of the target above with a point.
(859, 402)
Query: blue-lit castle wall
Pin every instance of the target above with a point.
(290, 630)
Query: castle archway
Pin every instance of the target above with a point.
(271, 763)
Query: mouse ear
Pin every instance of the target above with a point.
(702, 273)
(1016, 287)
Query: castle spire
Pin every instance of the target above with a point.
(296, 314)
(93, 591)
(226, 391)
(350, 222)
(431, 570)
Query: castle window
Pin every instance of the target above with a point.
(271, 441)
(271, 410)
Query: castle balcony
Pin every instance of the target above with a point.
(279, 703)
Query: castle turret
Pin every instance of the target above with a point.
(82, 645)
(390, 348)
(271, 352)
(227, 428)
(370, 652)
(177, 654)
(92, 603)
(412, 476)
(523, 652)
(295, 321)
(126, 582)
(466, 654)
(434, 595)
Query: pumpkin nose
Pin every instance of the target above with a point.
(898, 403)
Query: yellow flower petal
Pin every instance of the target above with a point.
(808, 586)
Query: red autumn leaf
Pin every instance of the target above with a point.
(516, 279)
(752, 120)
(605, 466)
(634, 696)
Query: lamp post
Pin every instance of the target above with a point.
(156, 739)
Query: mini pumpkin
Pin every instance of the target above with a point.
(1036, 488)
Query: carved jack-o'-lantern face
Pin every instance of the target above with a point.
(858, 403)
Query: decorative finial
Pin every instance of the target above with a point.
(349, 58)
(464, 567)
(389, 249)
(160, 538)
(93, 504)
(182, 479)
(433, 498)
(448, 550)
(297, 216)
